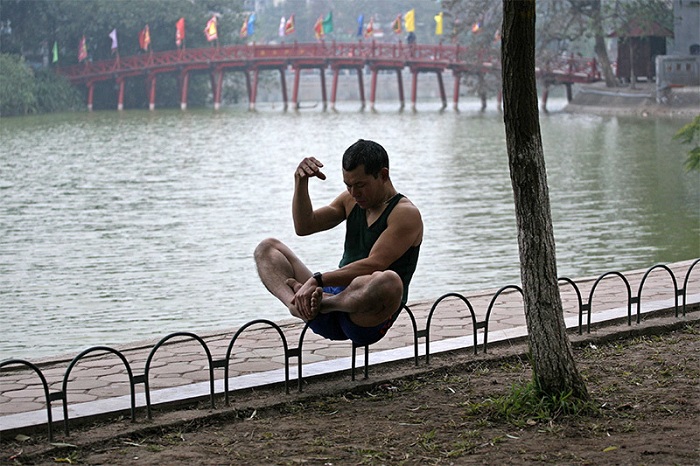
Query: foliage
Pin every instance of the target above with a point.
(54, 93)
(16, 86)
(526, 403)
(686, 135)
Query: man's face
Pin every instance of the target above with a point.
(367, 190)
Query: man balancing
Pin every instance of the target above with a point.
(361, 299)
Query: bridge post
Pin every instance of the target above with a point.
(120, 97)
(91, 95)
(217, 79)
(402, 99)
(151, 83)
(184, 81)
(283, 83)
(361, 84)
(324, 97)
(455, 90)
(295, 91)
(414, 89)
(373, 89)
(253, 95)
(334, 87)
(441, 85)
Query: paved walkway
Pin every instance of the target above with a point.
(179, 370)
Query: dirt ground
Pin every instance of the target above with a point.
(646, 410)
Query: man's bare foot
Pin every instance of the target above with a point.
(293, 284)
(316, 299)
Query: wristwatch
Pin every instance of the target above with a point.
(319, 279)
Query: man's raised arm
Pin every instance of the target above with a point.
(307, 220)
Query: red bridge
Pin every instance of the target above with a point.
(251, 59)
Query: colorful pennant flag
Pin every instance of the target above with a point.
(145, 38)
(251, 24)
(396, 25)
(328, 23)
(318, 28)
(289, 26)
(210, 31)
(180, 32)
(243, 33)
(369, 30)
(55, 52)
(410, 21)
(82, 49)
(113, 36)
(360, 24)
(438, 24)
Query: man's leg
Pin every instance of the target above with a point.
(277, 264)
(369, 300)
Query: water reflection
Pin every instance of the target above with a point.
(121, 226)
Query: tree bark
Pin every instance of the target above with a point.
(554, 368)
(599, 48)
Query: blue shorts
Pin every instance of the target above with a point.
(337, 325)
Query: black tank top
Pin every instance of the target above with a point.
(359, 239)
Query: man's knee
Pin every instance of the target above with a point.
(264, 248)
(389, 280)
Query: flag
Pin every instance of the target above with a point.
(55, 52)
(396, 25)
(476, 28)
(82, 50)
(289, 26)
(180, 32)
(369, 30)
(243, 33)
(251, 24)
(328, 23)
(145, 38)
(113, 36)
(410, 21)
(280, 31)
(318, 28)
(438, 24)
(360, 24)
(210, 30)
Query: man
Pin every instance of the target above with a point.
(361, 299)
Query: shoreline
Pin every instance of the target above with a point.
(682, 102)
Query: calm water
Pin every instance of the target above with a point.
(116, 227)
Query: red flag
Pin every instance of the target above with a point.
(145, 38)
(396, 25)
(289, 26)
(210, 30)
(318, 28)
(82, 50)
(243, 33)
(180, 32)
(369, 31)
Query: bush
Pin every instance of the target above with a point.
(16, 86)
(55, 94)
(22, 91)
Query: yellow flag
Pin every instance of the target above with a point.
(438, 24)
(410, 21)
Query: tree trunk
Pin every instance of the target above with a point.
(554, 368)
(599, 48)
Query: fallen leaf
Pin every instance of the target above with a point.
(610, 448)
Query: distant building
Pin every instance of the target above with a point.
(686, 27)
(682, 66)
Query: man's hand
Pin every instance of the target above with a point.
(310, 167)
